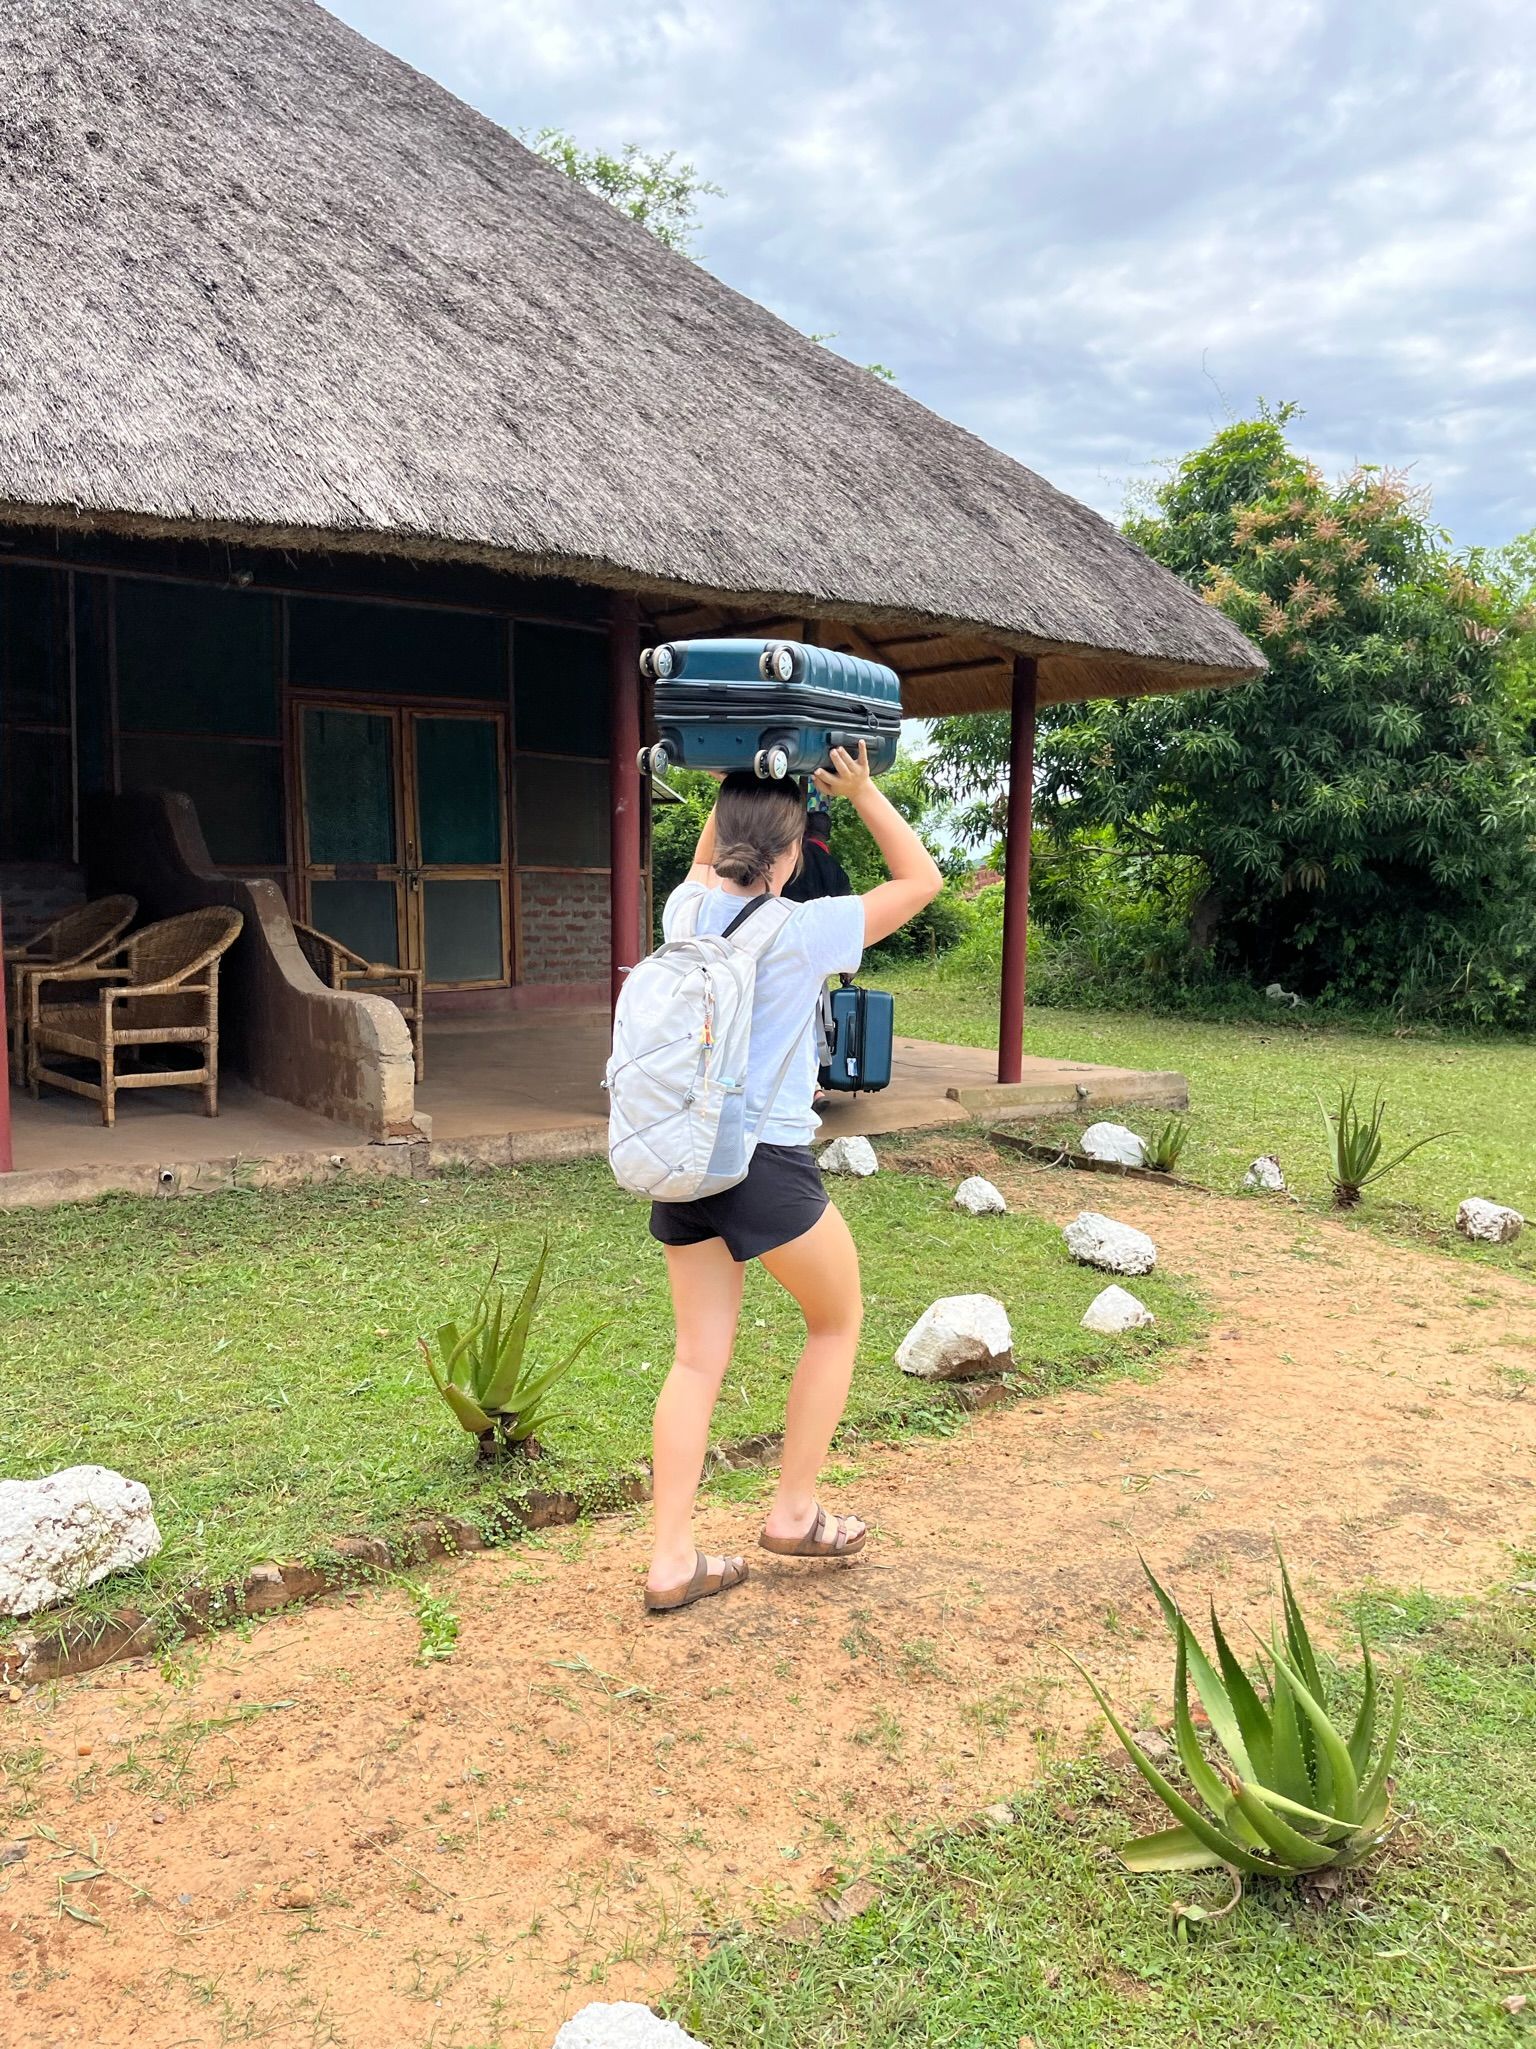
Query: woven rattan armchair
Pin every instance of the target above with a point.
(340, 968)
(160, 987)
(80, 935)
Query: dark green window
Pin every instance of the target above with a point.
(561, 691)
(458, 792)
(395, 650)
(236, 787)
(562, 813)
(192, 658)
(37, 803)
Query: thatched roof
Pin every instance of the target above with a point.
(262, 279)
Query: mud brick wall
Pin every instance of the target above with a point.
(34, 893)
(564, 928)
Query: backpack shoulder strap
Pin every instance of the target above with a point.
(758, 924)
(688, 916)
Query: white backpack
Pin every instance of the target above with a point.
(676, 1080)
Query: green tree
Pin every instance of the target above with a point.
(675, 830)
(1360, 814)
(658, 191)
(1511, 572)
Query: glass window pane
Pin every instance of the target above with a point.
(562, 813)
(237, 790)
(340, 644)
(463, 930)
(349, 786)
(36, 822)
(361, 915)
(34, 645)
(458, 791)
(192, 658)
(562, 690)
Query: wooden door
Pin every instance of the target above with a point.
(456, 846)
(352, 849)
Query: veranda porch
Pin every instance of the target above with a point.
(500, 1087)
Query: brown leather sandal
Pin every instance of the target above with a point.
(817, 1543)
(703, 1583)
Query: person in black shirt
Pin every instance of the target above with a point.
(821, 873)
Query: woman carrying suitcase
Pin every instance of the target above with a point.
(780, 1213)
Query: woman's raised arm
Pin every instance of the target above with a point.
(915, 878)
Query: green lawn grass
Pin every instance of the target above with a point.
(252, 1357)
(1254, 1088)
(1036, 1935)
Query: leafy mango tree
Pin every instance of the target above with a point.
(1361, 817)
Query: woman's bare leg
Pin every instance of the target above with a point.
(706, 1302)
(821, 1270)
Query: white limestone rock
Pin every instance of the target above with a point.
(849, 1156)
(1117, 1248)
(64, 1533)
(1264, 1173)
(959, 1337)
(1114, 1142)
(1116, 1310)
(1494, 1223)
(979, 1197)
(622, 2024)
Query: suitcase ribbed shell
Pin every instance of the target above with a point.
(729, 704)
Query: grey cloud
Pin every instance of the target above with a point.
(1085, 230)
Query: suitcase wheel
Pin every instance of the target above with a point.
(657, 661)
(655, 760)
(770, 764)
(776, 664)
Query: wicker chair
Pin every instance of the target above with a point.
(340, 968)
(80, 935)
(159, 987)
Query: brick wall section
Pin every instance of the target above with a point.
(34, 893)
(565, 928)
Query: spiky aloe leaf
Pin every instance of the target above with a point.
(487, 1352)
(531, 1404)
(1207, 1782)
(1288, 1846)
(1252, 1715)
(1365, 1721)
(1212, 1694)
(1298, 1642)
(1372, 1805)
(1287, 1772)
(509, 1365)
(1328, 1822)
(468, 1411)
(1343, 1796)
(1171, 1849)
(1224, 1846)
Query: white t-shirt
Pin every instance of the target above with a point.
(821, 938)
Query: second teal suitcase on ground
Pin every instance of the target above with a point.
(860, 1030)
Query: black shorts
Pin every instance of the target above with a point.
(782, 1196)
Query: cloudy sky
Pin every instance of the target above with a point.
(1093, 230)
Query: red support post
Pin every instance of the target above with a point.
(1021, 804)
(5, 1079)
(624, 789)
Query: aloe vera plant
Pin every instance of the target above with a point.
(481, 1370)
(1162, 1152)
(1354, 1146)
(1289, 1793)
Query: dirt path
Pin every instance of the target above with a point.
(334, 1845)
